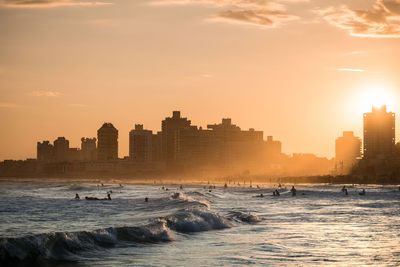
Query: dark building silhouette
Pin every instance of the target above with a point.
(45, 151)
(88, 149)
(347, 151)
(61, 149)
(107, 146)
(141, 144)
(379, 133)
(170, 134)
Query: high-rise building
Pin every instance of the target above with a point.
(141, 144)
(379, 133)
(170, 132)
(45, 151)
(107, 144)
(347, 151)
(88, 149)
(61, 149)
(272, 149)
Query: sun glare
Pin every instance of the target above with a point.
(374, 95)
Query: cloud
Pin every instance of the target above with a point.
(45, 93)
(48, 3)
(263, 13)
(8, 105)
(261, 17)
(381, 20)
(350, 70)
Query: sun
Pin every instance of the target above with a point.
(375, 95)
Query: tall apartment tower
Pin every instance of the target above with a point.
(88, 149)
(379, 133)
(347, 151)
(45, 151)
(170, 134)
(61, 149)
(107, 144)
(141, 144)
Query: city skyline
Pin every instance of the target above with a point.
(120, 144)
(296, 70)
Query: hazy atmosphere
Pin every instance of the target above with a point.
(302, 71)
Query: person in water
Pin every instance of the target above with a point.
(362, 193)
(294, 191)
(146, 199)
(77, 196)
(277, 193)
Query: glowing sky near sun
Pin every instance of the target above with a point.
(300, 70)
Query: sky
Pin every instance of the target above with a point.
(301, 71)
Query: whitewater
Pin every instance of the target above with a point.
(42, 224)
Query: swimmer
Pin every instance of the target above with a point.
(362, 193)
(146, 199)
(77, 196)
(294, 191)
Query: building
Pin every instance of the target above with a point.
(235, 146)
(272, 149)
(88, 149)
(379, 133)
(347, 151)
(107, 144)
(141, 144)
(61, 149)
(170, 128)
(45, 151)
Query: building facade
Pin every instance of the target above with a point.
(107, 144)
(379, 133)
(141, 144)
(88, 149)
(347, 152)
(170, 128)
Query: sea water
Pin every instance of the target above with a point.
(42, 224)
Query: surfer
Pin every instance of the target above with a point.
(294, 191)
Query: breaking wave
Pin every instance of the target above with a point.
(66, 246)
(196, 220)
(245, 217)
(69, 246)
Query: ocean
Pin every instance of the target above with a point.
(42, 224)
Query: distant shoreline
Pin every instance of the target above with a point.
(230, 181)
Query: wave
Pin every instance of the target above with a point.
(66, 246)
(197, 198)
(71, 246)
(245, 217)
(195, 220)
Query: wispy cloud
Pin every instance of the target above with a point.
(48, 3)
(381, 20)
(41, 93)
(263, 13)
(8, 105)
(350, 70)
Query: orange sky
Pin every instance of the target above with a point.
(298, 70)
